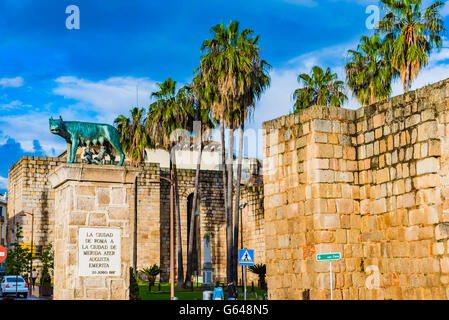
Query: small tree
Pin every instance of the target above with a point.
(133, 285)
(18, 257)
(47, 260)
(261, 271)
(151, 274)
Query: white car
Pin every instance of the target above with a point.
(8, 286)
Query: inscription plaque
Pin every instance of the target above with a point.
(99, 252)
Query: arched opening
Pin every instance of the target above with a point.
(196, 261)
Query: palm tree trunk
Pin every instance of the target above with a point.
(407, 83)
(237, 205)
(172, 203)
(178, 226)
(192, 219)
(407, 79)
(371, 89)
(135, 230)
(229, 233)
(225, 189)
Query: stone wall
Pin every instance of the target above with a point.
(30, 190)
(252, 218)
(212, 218)
(370, 184)
(3, 223)
(148, 217)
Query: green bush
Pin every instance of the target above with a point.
(151, 274)
(133, 286)
(261, 271)
(47, 260)
(18, 257)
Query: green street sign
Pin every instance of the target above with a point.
(328, 256)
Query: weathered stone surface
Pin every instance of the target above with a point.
(442, 231)
(68, 283)
(97, 219)
(104, 196)
(428, 165)
(322, 125)
(388, 216)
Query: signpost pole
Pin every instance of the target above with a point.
(246, 258)
(329, 257)
(244, 290)
(330, 275)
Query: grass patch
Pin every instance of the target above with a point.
(188, 294)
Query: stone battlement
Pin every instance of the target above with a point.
(370, 183)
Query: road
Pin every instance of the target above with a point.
(34, 296)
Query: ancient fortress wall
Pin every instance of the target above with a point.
(30, 190)
(372, 184)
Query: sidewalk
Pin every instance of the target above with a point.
(35, 295)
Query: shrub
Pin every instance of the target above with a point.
(47, 260)
(133, 286)
(261, 271)
(151, 274)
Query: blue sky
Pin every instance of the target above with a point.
(91, 74)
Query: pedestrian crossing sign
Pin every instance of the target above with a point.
(246, 257)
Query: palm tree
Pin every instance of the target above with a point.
(415, 32)
(369, 72)
(261, 271)
(226, 65)
(165, 115)
(134, 135)
(319, 88)
(151, 274)
(256, 82)
(198, 99)
(134, 138)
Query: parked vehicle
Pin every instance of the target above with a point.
(9, 283)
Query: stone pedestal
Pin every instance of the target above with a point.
(93, 231)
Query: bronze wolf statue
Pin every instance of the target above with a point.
(78, 134)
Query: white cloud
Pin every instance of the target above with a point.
(442, 55)
(278, 99)
(13, 105)
(3, 183)
(429, 75)
(31, 126)
(11, 82)
(109, 97)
